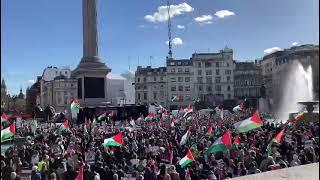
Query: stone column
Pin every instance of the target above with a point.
(90, 33)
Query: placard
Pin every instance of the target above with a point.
(308, 144)
(90, 157)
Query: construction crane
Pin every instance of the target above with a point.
(169, 30)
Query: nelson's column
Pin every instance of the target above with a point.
(91, 73)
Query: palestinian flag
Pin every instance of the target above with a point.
(236, 142)
(113, 141)
(298, 116)
(221, 144)
(186, 160)
(209, 132)
(175, 98)
(188, 110)
(75, 105)
(185, 137)
(110, 115)
(240, 107)
(4, 118)
(102, 116)
(8, 132)
(86, 127)
(165, 115)
(249, 124)
(80, 174)
(63, 127)
(94, 122)
(150, 117)
(34, 125)
(275, 140)
(181, 110)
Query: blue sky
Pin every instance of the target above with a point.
(40, 33)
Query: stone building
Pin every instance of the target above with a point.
(4, 97)
(213, 75)
(17, 103)
(179, 82)
(151, 85)
(247, 81)
(57, 89)
(275, 68)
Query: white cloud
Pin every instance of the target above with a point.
(224, 13)
(142, 26)
(176, 41)
(31, 81)
(180, 27)
(295, 43)
(162, 14)
(204, 19)
(271, 50)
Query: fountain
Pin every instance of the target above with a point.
(297, 92)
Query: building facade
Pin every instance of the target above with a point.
(4, 97)
(179, 83)
(247, 81)
(56, 89)
(151, 86)
(213, 75)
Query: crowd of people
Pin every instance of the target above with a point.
(148, 144)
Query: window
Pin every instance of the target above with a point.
(179, 63)
(145, 96)
(180, 79)
(207, 64)
(228, 71)
(179, 69)
(209, 88)
(154, 95)
(154, 78)
(144, 79)
(229, 88)
(200, 88)
(217, 64)
(144, 87)
(218, 79)
(173, 88)
(228, 78)
(208, 72)
(138, 87)
(172, 63)
(199, 72)
(161, 78)
(199, 79)
(208, 79)
(138, 79)
(217, 71)
(65, 72)
(187, 79)
(187, 88)
(229, 96)
(155, 87)
(161, 86)
(139, 97)
(71, 84)
(218, 88)
(173, 70)
(180, 88)
(199, 64)
(173, 79)
(227, 64)
(187, 70)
